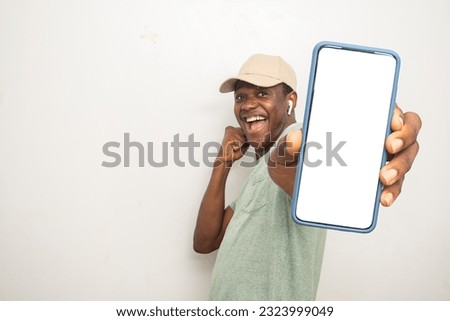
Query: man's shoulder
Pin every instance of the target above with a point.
(291, 128)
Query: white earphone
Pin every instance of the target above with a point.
(290, 107)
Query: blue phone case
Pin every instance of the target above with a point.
(306, 118)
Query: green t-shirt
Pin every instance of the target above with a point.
(264, 254)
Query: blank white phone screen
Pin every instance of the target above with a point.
(345, 138)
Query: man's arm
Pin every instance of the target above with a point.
(213, 219)
(401, 144)
(282, 163)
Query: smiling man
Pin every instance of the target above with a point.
(263, 254)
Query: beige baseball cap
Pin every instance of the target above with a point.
(264, 71)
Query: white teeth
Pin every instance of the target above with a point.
(254, 118)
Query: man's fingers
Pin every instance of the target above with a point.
(239, 145)
(402, 147)
(399, 165)
(234, 145)
(390, 193)
(238, 149)
(397, 119)
(405, 134)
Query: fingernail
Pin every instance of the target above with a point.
(389, 199)
(389, 175)
(396, 145)
(401, 120)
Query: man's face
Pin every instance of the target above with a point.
(261, 113)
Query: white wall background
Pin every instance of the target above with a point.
(77, 74)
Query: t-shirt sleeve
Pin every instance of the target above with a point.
(233, 204)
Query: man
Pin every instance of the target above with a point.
(263, 254)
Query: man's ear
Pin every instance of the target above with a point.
(291, 102)
(293, 97)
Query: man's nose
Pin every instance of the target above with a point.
(249, 104)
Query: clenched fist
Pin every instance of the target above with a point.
(234, 145)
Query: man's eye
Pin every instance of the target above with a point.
(263, 94)
(239, 98)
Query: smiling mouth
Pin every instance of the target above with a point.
(255, 123)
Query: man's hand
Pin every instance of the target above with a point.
(234, 145)
(402, 148)
(283, 161)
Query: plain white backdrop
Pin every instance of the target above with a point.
(77, 74)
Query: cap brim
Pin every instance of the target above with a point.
(229, 85)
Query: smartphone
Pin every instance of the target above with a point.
(350, 102)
